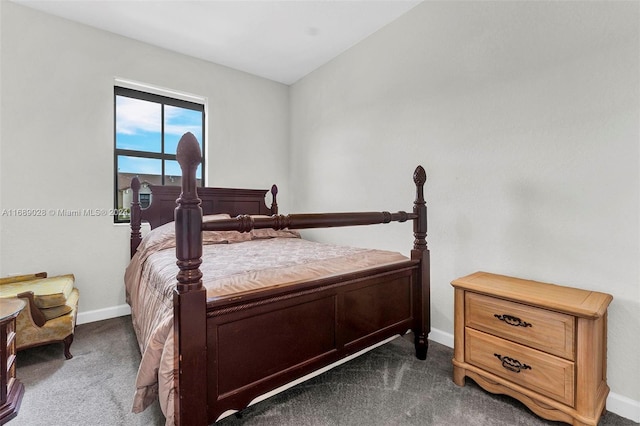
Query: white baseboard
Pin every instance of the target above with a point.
(618, 404)
(441, 337)
(103, 314)
(624, 407)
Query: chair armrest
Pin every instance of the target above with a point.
(36, 314)
(19, 278)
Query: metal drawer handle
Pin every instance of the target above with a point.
(511, 320)
(512, 364)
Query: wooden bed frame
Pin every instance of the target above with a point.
(232, 349)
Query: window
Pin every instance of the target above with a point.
(148, 127)
(145, 200)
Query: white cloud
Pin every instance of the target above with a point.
(178, 121)
(181, 129)
(135, 115)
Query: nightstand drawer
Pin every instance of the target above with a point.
(543, 373)
(548, 331)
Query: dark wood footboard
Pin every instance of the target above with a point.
(258, 343)
(229, 350)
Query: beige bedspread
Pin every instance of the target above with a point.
(232, 262)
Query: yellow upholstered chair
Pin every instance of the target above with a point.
(50, 314)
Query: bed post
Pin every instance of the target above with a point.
(420, 252)
(189, 298)
(274, 202)
(136, 236)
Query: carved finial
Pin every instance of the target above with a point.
(188, 217)
(274, 200)
(189, 156)
(134, 218)
(188, 152)
(420, 209)
(135, 184)
(419, 176)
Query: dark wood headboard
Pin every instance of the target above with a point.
(234, 201)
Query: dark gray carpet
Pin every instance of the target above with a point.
(387, 386)
(95, 387)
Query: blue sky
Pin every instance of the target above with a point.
(138, 127)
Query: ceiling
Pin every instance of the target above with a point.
(279, 40)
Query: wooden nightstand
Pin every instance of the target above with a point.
(543, 344)
(11, 390)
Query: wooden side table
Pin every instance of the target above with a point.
(11, 390)
(543, 344)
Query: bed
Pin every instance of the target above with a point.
(274, 309)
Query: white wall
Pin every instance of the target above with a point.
(57, 141)
(525, 116)
(1, 44)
